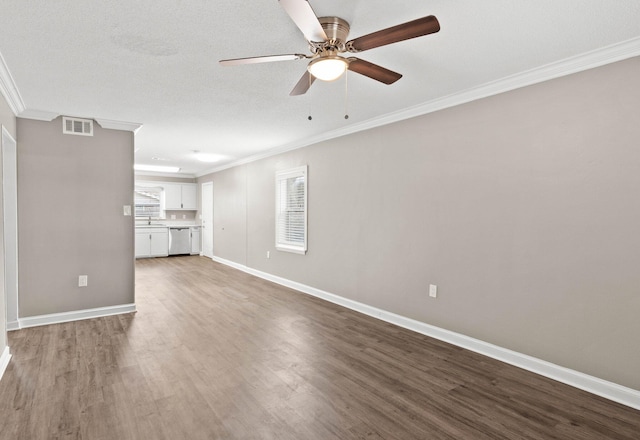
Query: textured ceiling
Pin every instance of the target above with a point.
(155, 62)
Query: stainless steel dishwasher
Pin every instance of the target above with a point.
(179, 241)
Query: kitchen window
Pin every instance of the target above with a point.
(291, 210)
(147, 202)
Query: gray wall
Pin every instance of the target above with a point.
(8, 121)
(523, 208)
(230, 214)
(71, 190)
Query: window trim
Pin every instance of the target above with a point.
(301, 171)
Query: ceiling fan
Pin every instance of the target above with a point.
(327, 41)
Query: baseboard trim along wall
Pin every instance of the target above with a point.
(4, 360)
(13, 325)
(76, 315)
(609, 390)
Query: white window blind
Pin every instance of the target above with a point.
(291, 210)
(147, 202)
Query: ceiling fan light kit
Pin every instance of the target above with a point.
(327, 68)
(327, 38)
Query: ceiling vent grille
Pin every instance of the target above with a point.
(82, 127)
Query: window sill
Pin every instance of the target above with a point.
(293, 249)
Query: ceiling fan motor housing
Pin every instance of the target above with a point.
(337, 31)
(327, 38)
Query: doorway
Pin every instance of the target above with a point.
(10, 214)
(207, 219)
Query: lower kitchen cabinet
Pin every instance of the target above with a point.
(152, 242)
(195, 241)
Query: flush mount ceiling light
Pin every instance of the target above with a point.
(156, 168)
(328, 68)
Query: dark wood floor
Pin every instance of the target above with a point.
(214, 353)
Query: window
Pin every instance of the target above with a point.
(291, 210)
(147, 202)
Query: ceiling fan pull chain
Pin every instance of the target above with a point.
(346, 95)
(309, 99)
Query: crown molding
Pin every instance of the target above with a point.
(9, 89)
(588, 60)
(158, 174)
(44, 115)
(119, 125)
(38, 115)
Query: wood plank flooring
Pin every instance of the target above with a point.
(214, 353)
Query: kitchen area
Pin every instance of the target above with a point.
(165, 219)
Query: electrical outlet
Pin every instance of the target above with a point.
(268, 254)
(126, 209)
(184, 216)
(173, 216)
(83, 280)
(433, 290)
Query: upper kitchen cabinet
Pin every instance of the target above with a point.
(180, 196)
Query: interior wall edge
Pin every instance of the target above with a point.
(4, 360)
(594, 385)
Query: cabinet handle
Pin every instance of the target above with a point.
(149, 236)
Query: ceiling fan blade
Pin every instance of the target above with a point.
(373, 71)
(303, 85)
(303, 16)
(412, 29)
(264, 59)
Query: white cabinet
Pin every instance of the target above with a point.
(172, 195)
(143, 244)
(180, 196)
(195, 241)
(189, 196)
(152, 242)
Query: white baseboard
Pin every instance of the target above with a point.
(13, 325)
(609, 390)
(4, 360)
(76, 315)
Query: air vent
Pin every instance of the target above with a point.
(82, 127)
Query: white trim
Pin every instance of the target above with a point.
(4, 360)
(591, 384)
(9, 153)
(13, 325)
(56, 318)
(589, 60)
(206, 222)
(119, 125)
(38, 115)
(282, 244)
(9, 89)
(47, 116)
(156, 174)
